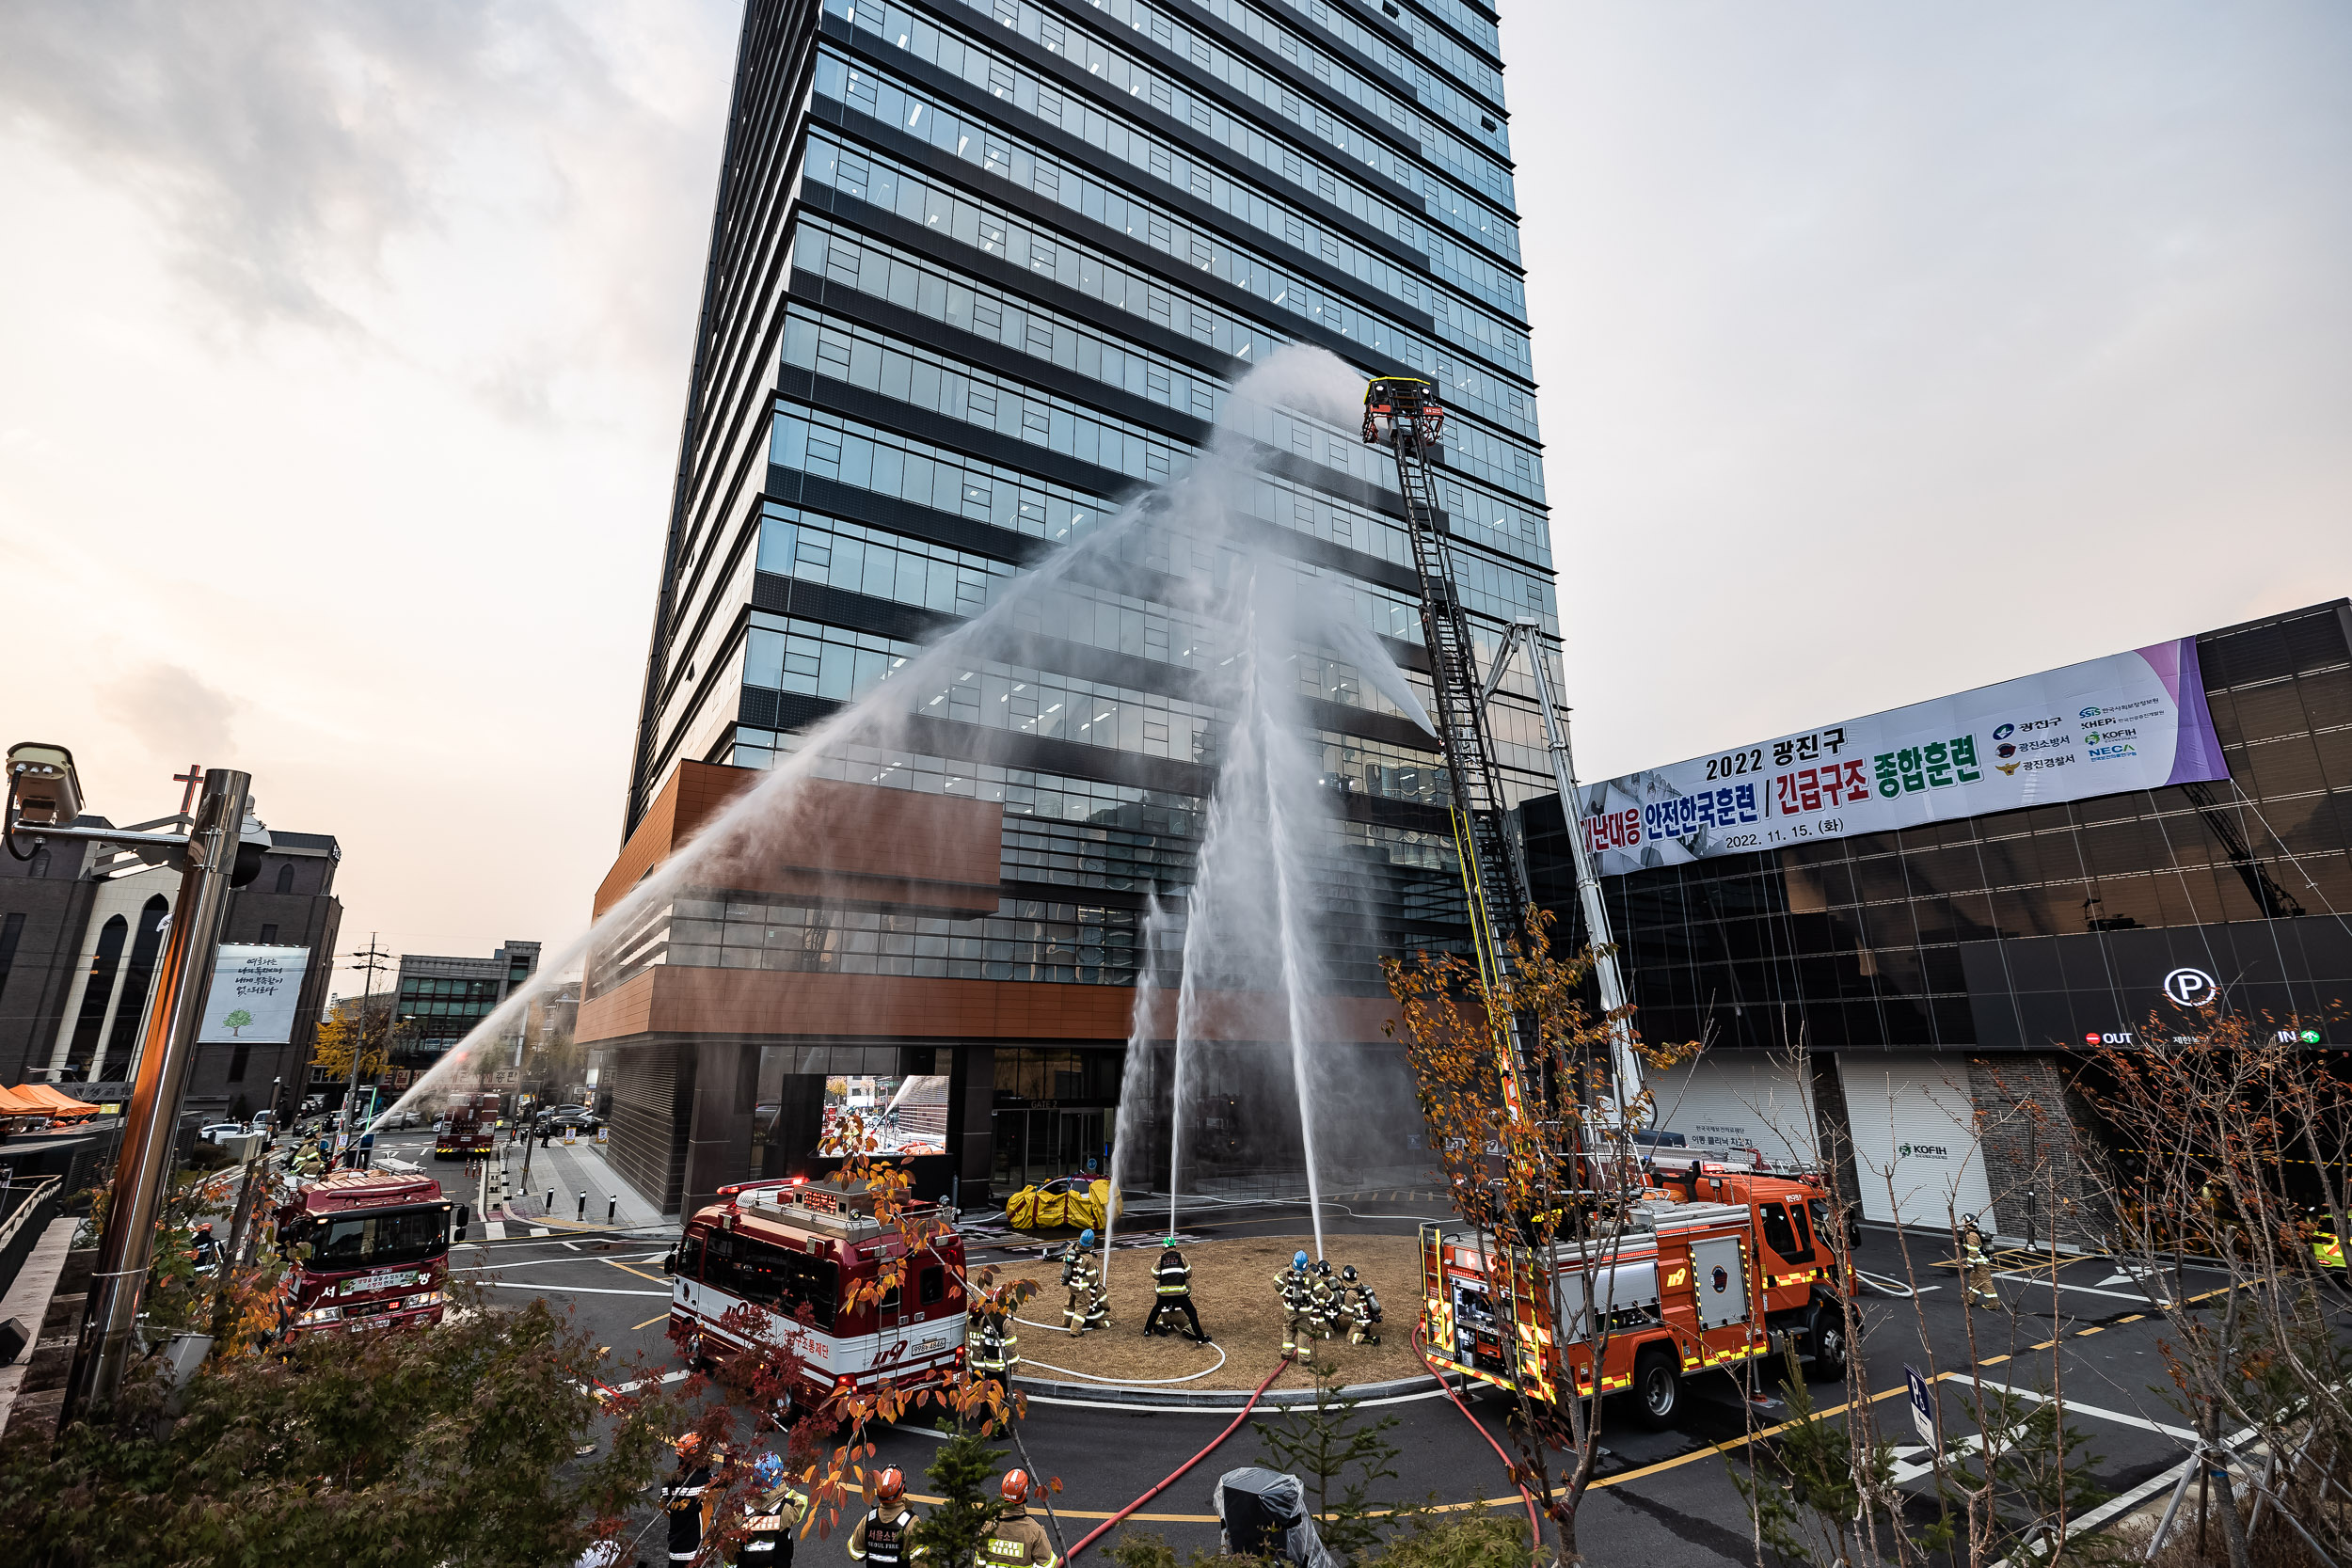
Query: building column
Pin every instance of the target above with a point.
(2029, 1141)
(971, 1132)
(719, 1120)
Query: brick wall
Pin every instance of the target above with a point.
(2029, 1129)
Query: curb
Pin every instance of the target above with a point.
(1217, 1399)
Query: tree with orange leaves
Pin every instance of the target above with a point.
(1512, 1074)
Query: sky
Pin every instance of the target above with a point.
(1884, 351)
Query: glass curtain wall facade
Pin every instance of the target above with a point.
(983, 271)
(2027, 929)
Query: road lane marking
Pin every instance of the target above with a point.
(649, 1323)
(2121, 1418)
(658, 1279)
(577, 1289)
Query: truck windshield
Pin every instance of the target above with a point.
(386, 1238)
(771, 1276)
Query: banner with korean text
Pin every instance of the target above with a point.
(255, 991)
(2133, 721)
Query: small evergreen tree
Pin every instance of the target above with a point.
(952, 1536)
(1331, 1446)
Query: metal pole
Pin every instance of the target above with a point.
(183, 981)
(358, 1052)
(1626, 1065)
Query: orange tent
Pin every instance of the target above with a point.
(15, 1105)
(63, 1107)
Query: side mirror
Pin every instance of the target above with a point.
(669, 1262)
(464, 1218)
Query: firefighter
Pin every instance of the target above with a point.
(1363, 1308)
(684, 1499)
(1324, 1301)
(1171, 1283)
(1015, 1540)
(1079, 1277)
(204, 1251)
(881, 1537)
(1976, 1267)
(1297, 1301)
(770, 1518)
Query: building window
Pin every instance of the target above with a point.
(237, 1060)
(285, 878)
(269, 935)
(124, 1038)
(92, 1017)
(11, 931)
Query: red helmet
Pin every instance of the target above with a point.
(890, 1485)
(1016, 1487)
(689, 1444)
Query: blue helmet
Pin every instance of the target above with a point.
(769, 1471)
(1086, 1238)
(1298, 1260)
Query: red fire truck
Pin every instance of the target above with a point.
(796, 1249)
(469, 1128)
(1714, 1269)
(378, 1252)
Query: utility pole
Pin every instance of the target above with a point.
(374, 958)
(184, 978)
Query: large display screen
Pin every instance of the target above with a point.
(2132, 721)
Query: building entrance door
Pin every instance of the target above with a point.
(1039, 1144)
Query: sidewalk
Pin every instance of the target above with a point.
(568, 1172)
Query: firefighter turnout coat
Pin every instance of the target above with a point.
(1017, 1541)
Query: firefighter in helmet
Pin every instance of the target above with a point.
(685, 1498)
(883, 1537)
(1014, 1539)
(1171, 1287)
(771, 1517)
(1325, 1302)
(1297, 1298)
(1363, 1308)
(1080, 1277)
(1976, 1267)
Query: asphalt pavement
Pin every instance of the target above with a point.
(2083, 1328)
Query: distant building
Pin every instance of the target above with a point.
(82, 928)
(439, 1001)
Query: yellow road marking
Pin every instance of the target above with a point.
(657, 1278)
(649, 1323)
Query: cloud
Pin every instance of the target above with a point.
(172, 711)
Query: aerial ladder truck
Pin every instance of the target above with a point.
(1401, 413)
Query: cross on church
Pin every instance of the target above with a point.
(191, 778)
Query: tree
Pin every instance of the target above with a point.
(236, 1021)
(1334, 1447)
(1514, 1153)
(344, 1031)
(450, 1444)
(2232, 1144)
(957, 1528)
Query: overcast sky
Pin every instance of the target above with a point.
(1885, 351)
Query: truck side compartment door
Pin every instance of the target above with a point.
(1721, 1278)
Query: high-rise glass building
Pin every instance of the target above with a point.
(982, 272)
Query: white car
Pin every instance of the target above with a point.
(214, 1131)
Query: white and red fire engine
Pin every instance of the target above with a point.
(1713, 1267)
(795, 1250)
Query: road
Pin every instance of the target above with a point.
(1663, 1498)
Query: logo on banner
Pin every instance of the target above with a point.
(2192, 987)
(2003, 733)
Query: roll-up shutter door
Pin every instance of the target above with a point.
(1727, 1104)
(1915, 1120)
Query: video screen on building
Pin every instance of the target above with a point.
(884, 1115)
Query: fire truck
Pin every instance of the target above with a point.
(1716, 1267)
(378, 1252)
(469, 1128)
(796, 1249)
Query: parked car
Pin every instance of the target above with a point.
(577, 1118)
(212, 1133)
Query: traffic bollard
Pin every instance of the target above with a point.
(611, 1208)
(550, 1200)
(583, 1206)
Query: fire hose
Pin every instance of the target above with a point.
(1535, 1520)
(1177, 1474)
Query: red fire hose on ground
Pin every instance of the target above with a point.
(1177, 1474)
(1535, 1520)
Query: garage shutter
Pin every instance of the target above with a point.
(1915, 1117)
(1726, 1104)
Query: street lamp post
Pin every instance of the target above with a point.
(184, 977)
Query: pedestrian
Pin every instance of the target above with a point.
(1296, 1298)
(771, 1518)
(1015, 1540)
(1171, 1283)
(685, 1498)
(882, 1538)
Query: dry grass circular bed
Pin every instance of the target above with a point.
(1233, 1291)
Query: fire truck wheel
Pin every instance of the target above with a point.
(1656, 1388)
(1826, 1340)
